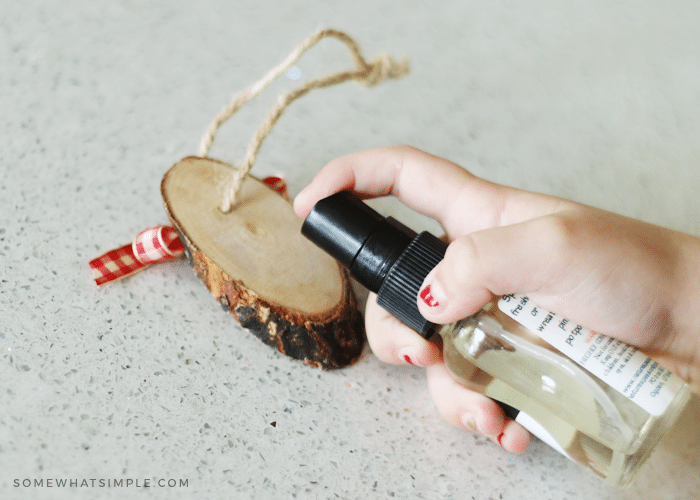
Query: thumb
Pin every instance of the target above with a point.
(495, 261)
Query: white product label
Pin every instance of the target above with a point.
(543, 434)
(621, 366)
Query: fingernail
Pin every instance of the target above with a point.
(407, 355)
(469, 421)
(299, 199)
(431, 295)
(500, 438)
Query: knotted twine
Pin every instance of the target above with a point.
(381, 68)
(161, 243)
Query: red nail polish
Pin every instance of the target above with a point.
(428, 298)
(408, 359)
(500, 438)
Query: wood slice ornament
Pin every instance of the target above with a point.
(255, 262)
(244, 239)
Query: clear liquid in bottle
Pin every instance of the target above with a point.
(607, 423)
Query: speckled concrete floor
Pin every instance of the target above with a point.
(147, 379)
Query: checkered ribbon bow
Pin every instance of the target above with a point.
(153, 245)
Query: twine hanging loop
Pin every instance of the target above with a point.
(368, 74)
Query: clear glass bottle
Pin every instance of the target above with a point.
(563, 403)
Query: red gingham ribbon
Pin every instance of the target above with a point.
(278, 184)
(153, 245)
(156, 244)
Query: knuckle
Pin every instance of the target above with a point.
(406, 149)
(462, 257)
(560, 231)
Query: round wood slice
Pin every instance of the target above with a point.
(256, 263)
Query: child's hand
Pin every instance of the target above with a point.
(618, 276)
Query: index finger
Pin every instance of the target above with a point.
(402, 171)
(433, 186)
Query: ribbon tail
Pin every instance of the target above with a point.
(153, 245)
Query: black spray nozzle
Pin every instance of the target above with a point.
(358, 237)
(381, 253)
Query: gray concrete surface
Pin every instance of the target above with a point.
(147, 379)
